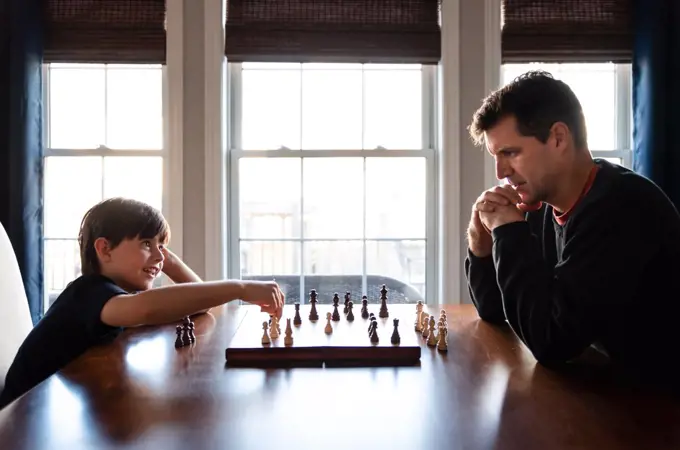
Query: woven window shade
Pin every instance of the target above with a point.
(386, 31)
(567, 31)
(105, 31)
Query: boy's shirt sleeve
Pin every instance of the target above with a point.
(94, 296)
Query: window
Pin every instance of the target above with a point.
(330, 178)
(604, 90)
(104, 138)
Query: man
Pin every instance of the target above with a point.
(572, 252)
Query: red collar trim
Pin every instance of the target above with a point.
(561, 219)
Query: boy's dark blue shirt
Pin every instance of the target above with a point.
(70, 327)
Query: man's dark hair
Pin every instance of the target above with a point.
(116, 219)
(537, 101)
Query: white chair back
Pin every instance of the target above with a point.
(14, 311)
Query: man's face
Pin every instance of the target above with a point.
(523, 162)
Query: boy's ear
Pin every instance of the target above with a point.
(103, 248)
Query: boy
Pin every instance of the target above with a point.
(122, 250)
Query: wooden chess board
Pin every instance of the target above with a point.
(348, 345)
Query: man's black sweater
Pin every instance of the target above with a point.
(605, 277)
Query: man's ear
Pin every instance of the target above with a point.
(560, 136)
(103, 249)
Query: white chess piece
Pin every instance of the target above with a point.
(288, 340)
(275, 328)
(432, 338)
(265, 336)
(419, 315)
(442, 345)
(329, 328)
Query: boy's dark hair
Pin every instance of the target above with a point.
(537, 101)
(116, 219)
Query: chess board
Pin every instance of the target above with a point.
(348, 345)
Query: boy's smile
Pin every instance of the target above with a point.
(134, 264)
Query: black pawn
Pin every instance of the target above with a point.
(347, 300)
(186, 340)
(336, 315)
(372, 323)
(350, 314)
(364, 308)
(192, 334)
(395, 334)
(178, 341)
(374, 333)
(297, 320)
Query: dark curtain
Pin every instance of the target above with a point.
(656, 93)
(21, 140)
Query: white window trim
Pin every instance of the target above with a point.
(428, 152)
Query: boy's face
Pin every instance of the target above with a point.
(134, 264)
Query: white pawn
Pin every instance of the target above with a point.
(442, 345)
(432, 338)
(275, 328)
(329, 328)
(288, 340)
(265, 336)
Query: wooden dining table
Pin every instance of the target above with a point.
(486, 392)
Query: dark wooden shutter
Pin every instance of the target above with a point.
(567, 30)
(105, 31)
(392, 31)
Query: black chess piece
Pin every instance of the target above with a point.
(313, 315)
(374, 332)
(383, 303)
(192, 333)
(350, 314)
(395, 334)
(297, 320)
(364, 308)
(336, 299)
(186, 340)
(372, 323)
(178, 341)
(347, 300)
(336, 315)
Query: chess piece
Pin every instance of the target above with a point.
(274, 329)
(374, 332)
(395, 334)
(297, 320)
(347, 300)
(336, 299)
(442, 345)
(186, 340)
(372, 321)
(383, 303)
(432, 337)
(426, 329)
(336, 315)
(265, 337)
(192, 334)
(350, 314)
(288, 339)
(329, 328)
(313, 315)
(419, 315)
(178, 341)
(364, 307)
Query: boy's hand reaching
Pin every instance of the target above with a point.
(266, 294)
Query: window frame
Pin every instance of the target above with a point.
(232, 117)
(103, 151)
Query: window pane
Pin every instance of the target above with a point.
(134, 110)
(393, 101)
(595, 87)
(331, 109)
(77, 107)
(280, 260)
(137, 177)
(270, 109)
(269, 191)
(333, 198)
(614, 160)
(404, 262)
(73, 184)
(395, 197)
(333, 266)
(62, 265)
